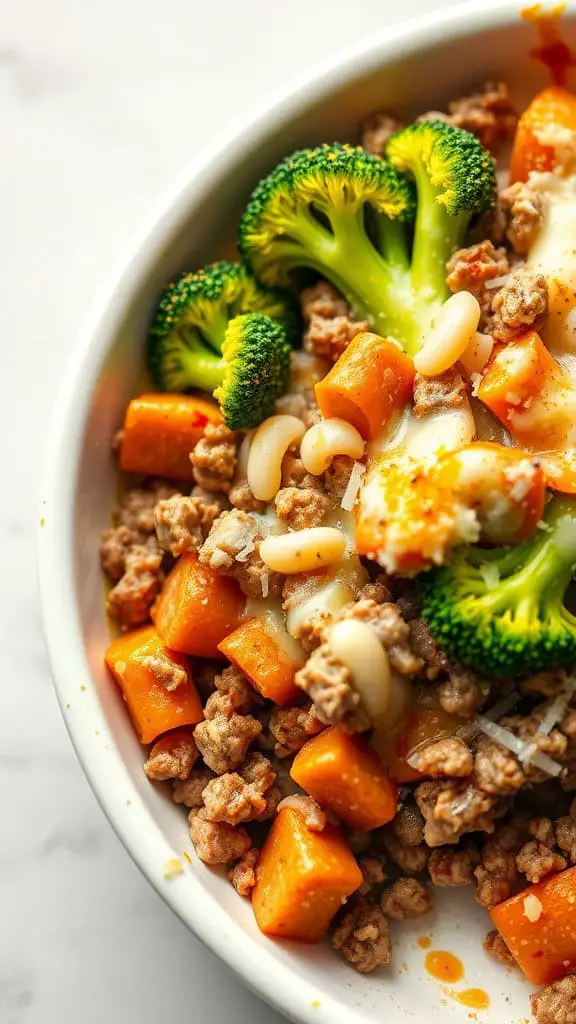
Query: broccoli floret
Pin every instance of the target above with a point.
(503, 611)
(218, 328)
(256, 357)
(347, 215)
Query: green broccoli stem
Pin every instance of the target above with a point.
(550, 564)
(204, 369)
(213, 328)
(377, 292)
(436, 235)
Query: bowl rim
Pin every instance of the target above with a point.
(107, 775)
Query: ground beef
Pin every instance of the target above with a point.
(542, 829)
(408, 825)
(435, 394)
(214, 458)
(536, 860)
(453, 807)
(329, 324)
(234, 685)
(393, 633)
(240, 496)
(556, 1003)
(243, 874)
(521, 207)
(189, 792)
(496, 948)
(373, 870)
(362, 937)
(377, 129)
(233, 548)
(337, 475)
(409, 858)
(292, 727)
(497, 770)
(472, 268)
(182, 523)
(246, 795)
(520, 304)
(294, 473)
(449, 757)
(545, 684)
(165, 670)
(527, 728)
(216, 842)
(224, 737)
(131, 599)
(406, 898)
(328, 683)
(172, 757)
(462, 693)
(568, 724)
(301, 507)
(565, 829)
(450, 866)
(136, 509)
(495, 874)
(488, 114)
(425, 647)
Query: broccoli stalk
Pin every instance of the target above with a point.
(503, 611)
(347, 215)
(220, 331)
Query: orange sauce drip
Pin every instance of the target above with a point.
(553, 52)
(424, 942)
(475, 998)
(444, 966)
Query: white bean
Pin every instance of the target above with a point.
(327, 439)
(477, 353)
(454, 327)
(269, 446)
(303, 550)
(384, 693)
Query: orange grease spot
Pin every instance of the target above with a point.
(475, 998)
(424, 942)
(444, 966)
(553, 52)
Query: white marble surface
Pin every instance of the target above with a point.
(100, 104)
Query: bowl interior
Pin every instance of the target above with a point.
(419, 71)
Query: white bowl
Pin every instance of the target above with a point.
(416, 66)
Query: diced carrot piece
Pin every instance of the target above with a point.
(368, 386)
(553, 108)
(424, 725)
(537, 925)
(153, 708)
(258, 650)
(342, 773)
(535, 399)
(197, 608)
(160, 431)
(302, 878)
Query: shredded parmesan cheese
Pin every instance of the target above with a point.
(497, 282)
(555, 712)
(352, 487)
(525, 752)
(532, 908)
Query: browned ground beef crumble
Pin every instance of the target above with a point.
(473, 820)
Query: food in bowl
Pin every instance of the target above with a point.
(340, 581)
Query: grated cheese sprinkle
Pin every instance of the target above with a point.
(352, 487)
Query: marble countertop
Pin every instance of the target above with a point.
(100, 105)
